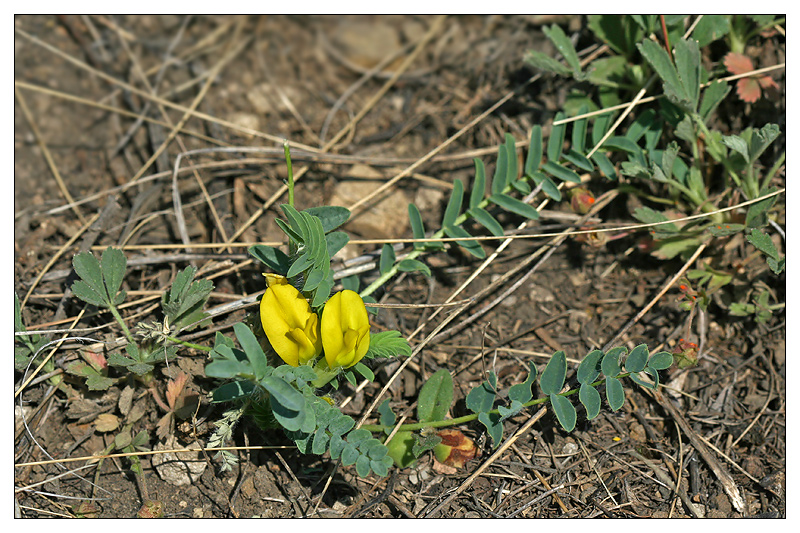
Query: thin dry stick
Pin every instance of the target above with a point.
(495, 456)
(46, 153)
(728, 483)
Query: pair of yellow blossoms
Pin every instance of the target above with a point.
(297, 336)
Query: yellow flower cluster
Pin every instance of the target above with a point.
(298, 336)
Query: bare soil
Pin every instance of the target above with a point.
(283, 77)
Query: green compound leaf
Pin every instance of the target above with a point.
(388, 258)
(579, 160)
(654, 374)
(387, 344)
(478, 185)
(561, 172)
(453, 205)
(276, 260)
(548, 186)
(251, 347)
(494, 426)
(365, 371)
(388, 418)
(435, 397)
(288, 404)
(565, 411)
(534, 158)
(511, 158)
(610, 365)
(615, 393)
(552, 380)
(543, 61)
(234, 390)
(590, 399)
(413, 265)
(637, 359)
(481, 398)
(330, 216)
(473, 247)
(335, 241)
(642, 383)
(515, 206)
(511, 410)
(660, 361)
(521, 392)
(486, 220)
(500, 171)
(556, 142)
(579, 128)
(341, 425)
(589, 368)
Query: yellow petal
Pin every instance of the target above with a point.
(345, 329)
(291, 327)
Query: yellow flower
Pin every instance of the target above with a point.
(345, 329)
(291, 327)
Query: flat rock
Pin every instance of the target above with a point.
(385, 216)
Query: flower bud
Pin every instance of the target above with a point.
(581, 200)
(685, 353)
(345, 329)
(291, 327)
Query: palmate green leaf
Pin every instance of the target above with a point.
(113, 265)
(515, 206)
(661, 63)
(545, 62)
(712, 97)
(564, 46)
(758, 213)
(761, 139)
(565, 411)
(687, 61)
(388, 258)
(435, 397)
(87, 267)
(710, 28)
(761, 240)
(478, 185)
(423, 442)
(453, 205)
(85, 292)
(556, 142)
(590, 399)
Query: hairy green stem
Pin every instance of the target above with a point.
(121, 322)
(188, 344)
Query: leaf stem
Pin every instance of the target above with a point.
(188, 344)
